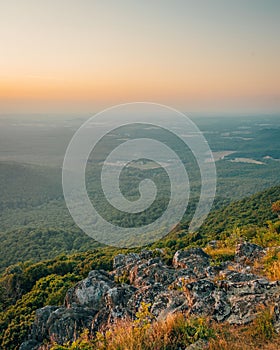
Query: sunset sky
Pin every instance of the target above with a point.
(195, 55)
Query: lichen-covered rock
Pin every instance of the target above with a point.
(169, 302)
(67, 323)
(227, 292)
(150, 272)
(246, 297)
(125, 260)
(235, 276)
(193, 259)
(248, 252)
(116, 300)
(276, 317)
(90, 292)
(200, 295)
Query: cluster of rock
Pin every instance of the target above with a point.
(226, 292)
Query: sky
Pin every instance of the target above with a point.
(85, 55)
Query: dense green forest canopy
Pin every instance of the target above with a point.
(39, 243)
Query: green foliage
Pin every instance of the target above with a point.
(41, 244)
(255, 210)
(83, 343)
(17, 318)
(267, 236)
(191, 330)
(143, 318)
(26, 287)
(124, 278)
(262, 326)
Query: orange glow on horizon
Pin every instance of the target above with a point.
(179, 53)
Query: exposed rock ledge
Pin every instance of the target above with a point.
(229, 292)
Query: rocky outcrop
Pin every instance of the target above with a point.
(195, 260)
(248, 252)
(226, 292)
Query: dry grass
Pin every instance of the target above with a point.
(272, 264)
(269, 265)
(220, 254)
(173, 333)
(241, 338)
(274, 271)
(260, 334)
(238, 339)
(177, 331)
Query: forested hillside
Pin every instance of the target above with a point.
(28, 286)
(255, 210)
(39, 243)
